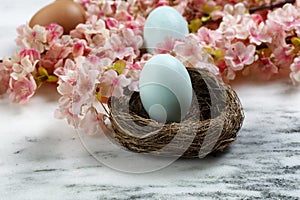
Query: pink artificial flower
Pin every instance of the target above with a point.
(87, 77)
(22, 90)
(54, 32)
(91, 123)
(166, 46)
(221, 64)
(67, 73)
(32, 38)
(65, 88)
(188, 48)
(134, 73)
(111, 23)
(235, 22)
(287, 16)
(283, 55)
(86, 80)
(92, 8)
(123, 16)
(239, 55)
(119, 48)
(278, 46)
(54, 57)
(64, 113)
(266, 68)
(22, 69)
(257, 18)
(93, 31)
(217, 14)
(80, 48)
(191, 52)
(130, 39)
(238, 9)
(208, 37)
(295, 71)
(113, 85)
(258, 34)
(33, 54)
(136, 25)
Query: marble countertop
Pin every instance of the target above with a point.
(43, 158)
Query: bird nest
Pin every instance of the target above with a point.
(215, 117)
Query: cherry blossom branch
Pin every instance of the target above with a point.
(271, 6)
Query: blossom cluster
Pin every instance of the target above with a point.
(249, 44)
(105, 55)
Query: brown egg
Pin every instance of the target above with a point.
(66, 13)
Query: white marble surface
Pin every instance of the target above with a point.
(42, 158)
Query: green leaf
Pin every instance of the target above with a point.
(195, 25)
(207, 8)
(119, 66)
(205, 18)
(219, 54)
(52, 79)
(296, 41)
(42, 71)
(40, 80)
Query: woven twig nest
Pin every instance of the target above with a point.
(211, 125)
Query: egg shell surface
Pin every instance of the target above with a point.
(163, 22)
(66, 13)
(165, 89)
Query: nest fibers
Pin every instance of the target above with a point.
(215, 117)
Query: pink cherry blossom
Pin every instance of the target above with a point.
(54, 57)
(114, 82)
(166, 46)
(134, 73)
(111, 23)
(64, 113)
(283, 55)
(287, 16)
(266, 68)
(22, 69)
(208, 37)
(188, 49)
(240, 55)
(117, 45)
(84, 61)
(94, 32)
(22, 90)
(123, 15)
(191, 52)
(130, 39)
(35, 38)
(91, 122)
(87, 79)
(33, 54)
(80, 48)
(235, 22)
(54, 32)
(68, 73)
(258, 34)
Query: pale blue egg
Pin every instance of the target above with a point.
(165, 89)
(162, 22)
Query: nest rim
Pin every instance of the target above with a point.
(195, 131)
